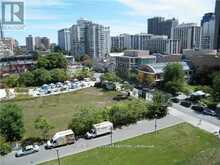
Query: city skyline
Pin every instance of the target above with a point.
(129, 16)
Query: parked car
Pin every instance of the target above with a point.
(208, 111)
(186, 104)
(27, 150)
(120, 97)
(175, 100)
(197, 108)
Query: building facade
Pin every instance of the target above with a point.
(217, 25)
(64, 39)
(173, 46)
(132, 59)
(157, 44)
(29, 43)
(156, 72)
(207, 31)
(188, 35)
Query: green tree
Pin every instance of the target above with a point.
(83, 73)
(11, 81)
(216, 86)
(174, 78)
(43, 126)
(51, 61)
(5, 147)
(83, 120)
(11, 122)
(58, 75)
(110, 76)
(159, 105)
(41, 76)
(43, 62)
(26, 79)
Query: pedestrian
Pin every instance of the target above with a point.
(200, 122)
(219, 132)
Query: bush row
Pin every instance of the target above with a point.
(119, 114)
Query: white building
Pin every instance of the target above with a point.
(173, 46)
(89, 38)
(64, 39)
(188, 34)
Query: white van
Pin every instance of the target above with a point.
(100, 129)
(61, 138)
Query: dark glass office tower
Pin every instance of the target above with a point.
(217, 25)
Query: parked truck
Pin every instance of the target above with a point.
(60, 139)
(100, 129)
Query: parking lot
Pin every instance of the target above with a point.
(59, 87)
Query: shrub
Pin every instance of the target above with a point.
(11, 81)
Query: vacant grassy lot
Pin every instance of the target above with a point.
(179, 145)
(59, 109)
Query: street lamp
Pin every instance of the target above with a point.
(58, 157)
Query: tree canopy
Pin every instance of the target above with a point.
(51, 61)
(216, 86)
(43, 126)
(11, 122)
(110, 76)
(174, 78)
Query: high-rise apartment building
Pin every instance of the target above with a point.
(188, 34)
(207, 31)
(160, 26)
(29, 43)
(64, 39)
(217, 25)
(153, 25)
(42, 43)
(90, 38)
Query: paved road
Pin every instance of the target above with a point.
(203, 117)
(131, 131)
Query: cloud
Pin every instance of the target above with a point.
(185, 10)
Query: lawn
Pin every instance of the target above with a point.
(178, 145)
(59, 109)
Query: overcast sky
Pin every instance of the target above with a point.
(45, 17)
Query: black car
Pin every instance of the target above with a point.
(186, 104)
(175, 100)
(197, 108)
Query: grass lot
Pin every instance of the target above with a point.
(178, 145)
(59, 109)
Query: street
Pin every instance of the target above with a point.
(141, 127)
(203, 117)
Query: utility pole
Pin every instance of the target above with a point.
(111, 135)
(155, 124)
(58, 157)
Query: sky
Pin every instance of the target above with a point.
(46, 17)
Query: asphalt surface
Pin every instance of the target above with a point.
(203, 117)
(140, 128)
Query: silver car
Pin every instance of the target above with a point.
(27, 150)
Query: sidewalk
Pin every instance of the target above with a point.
(197, 122)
